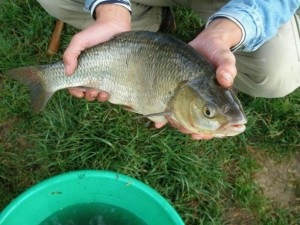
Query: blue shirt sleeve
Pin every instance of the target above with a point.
(258, 19)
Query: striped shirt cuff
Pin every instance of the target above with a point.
(90, 5)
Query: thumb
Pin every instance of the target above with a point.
(225, 77)
(225, 68)
(71, 54)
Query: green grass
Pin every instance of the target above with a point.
(202, 179)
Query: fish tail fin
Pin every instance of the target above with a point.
(30, 76)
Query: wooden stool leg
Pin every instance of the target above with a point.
(55, 39)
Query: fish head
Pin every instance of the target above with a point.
(203, 106)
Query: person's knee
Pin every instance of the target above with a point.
(270, 84)
(50, 6)
(275, 87)
(46, 4)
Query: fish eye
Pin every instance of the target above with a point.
(208, 111)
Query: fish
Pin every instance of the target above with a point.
(155, 75)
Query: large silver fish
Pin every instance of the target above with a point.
(153, 74)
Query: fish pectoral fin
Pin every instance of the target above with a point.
(161, 114)
(128, 108)
(167, 113)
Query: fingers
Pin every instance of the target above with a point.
(183, 130)
(89, 94)
(179, 127)
(159, 124)
(76, 92)
(202, 136)
(103, 96)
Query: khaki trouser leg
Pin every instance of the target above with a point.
(274, 69)
(144, 17)
(71, 12)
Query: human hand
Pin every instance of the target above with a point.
(111, 19)
(215, 43)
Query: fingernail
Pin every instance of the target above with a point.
(94, 94)
(197, 136)
(67, 69)
(104, 96)
(227, 76)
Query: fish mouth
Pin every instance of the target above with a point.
(233, 128)
(226, 130)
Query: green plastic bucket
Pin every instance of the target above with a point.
(89, 186)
